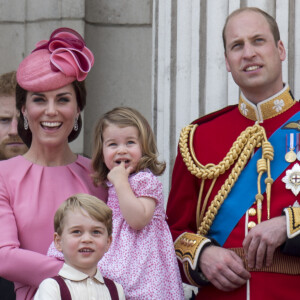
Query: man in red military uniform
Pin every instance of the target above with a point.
(233, 209)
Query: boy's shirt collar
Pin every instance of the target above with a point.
(73, 274)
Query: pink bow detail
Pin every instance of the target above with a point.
(69, 54)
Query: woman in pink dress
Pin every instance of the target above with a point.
(50, 96)
(141, 257)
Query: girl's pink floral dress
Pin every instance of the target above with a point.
(142, 261)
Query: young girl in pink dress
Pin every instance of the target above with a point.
(141, 257)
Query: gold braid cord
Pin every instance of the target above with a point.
(237, 157)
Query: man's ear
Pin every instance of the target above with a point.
(57, 241)
(226, 62)
(281, 50)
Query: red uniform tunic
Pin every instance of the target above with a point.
(212, 140)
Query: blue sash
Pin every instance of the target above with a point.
(242, 195)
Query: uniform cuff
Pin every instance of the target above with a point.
(188, 248)
(292, 221)
(292, 243)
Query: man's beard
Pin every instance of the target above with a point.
(7, 151)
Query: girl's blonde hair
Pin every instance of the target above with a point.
(95, 207)
(124, 117)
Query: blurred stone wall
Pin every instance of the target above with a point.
(118, 32)
(120, 35)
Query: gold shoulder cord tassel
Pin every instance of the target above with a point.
(237, 156)
(263, 165)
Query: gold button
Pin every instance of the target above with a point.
(251, 224)
(252, 212)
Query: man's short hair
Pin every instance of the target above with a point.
(271, 21)
(8, 84)
(95, 207)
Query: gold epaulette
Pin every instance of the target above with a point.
(293, 221)
(188, 246)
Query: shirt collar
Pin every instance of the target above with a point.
(73, 274)
(269, 108)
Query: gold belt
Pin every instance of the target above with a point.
(282, 263)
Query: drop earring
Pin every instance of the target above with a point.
(25, 123)
(76, 124)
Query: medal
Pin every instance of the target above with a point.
(290, 156)
(292, 179)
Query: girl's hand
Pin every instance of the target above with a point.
(137, 212)
(119, 173)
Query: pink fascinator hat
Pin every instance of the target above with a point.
(55, 63)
